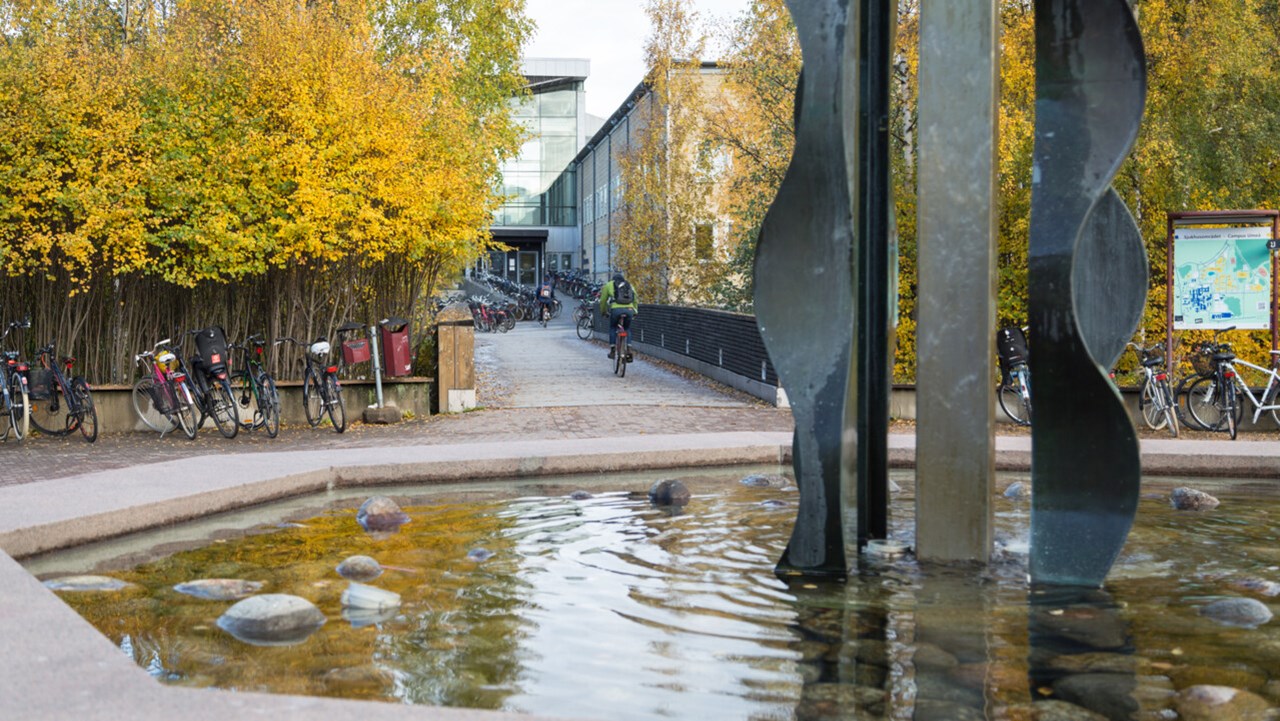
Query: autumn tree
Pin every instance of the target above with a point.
(665, 233)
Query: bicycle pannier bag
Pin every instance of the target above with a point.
(212, 345)
(545, 291)
(355, 351)
(40, 384)
(1011, 347)
(623, 294)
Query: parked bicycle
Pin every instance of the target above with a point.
(60, 405)
(321, 390)
(163, 398)
(1155, 397)
(211, 382)
(258, 401)
(1014, 390)
(13, 387)
(1217, 400)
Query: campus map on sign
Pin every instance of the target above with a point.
(1221, 278)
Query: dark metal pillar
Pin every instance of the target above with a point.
(877, 275)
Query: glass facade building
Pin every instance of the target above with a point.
(540, 185)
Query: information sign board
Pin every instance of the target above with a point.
(1222, 278)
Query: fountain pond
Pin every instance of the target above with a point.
(577, 597)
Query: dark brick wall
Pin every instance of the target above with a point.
(729, 340)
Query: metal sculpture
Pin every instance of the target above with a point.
(806, 246)
(1090, 92)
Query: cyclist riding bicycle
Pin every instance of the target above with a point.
(618, 299)
(546, 296)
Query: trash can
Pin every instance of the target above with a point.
(397, 357)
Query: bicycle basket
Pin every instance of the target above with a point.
(1201, 362)
(211, 343)
(162, 398)
(40, 384)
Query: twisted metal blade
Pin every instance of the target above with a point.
(803, 279)
(1090, 92)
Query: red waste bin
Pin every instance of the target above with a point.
(397, 358)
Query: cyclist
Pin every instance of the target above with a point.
(546, 295)
(618, 300)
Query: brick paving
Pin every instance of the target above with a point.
(523, 401)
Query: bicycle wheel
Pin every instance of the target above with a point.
(269, 403)
(620, 357)
(1204, 405)
(222, 406)
(185, 414)
(337, 411)
(544, 315)
(145, 398)
(1273, 400)
(86, 414)
(1170, 407)
(19, 414)
(248, 407)
(1151, 403)
(313, 397)
(1230, 406)
(51, 416)
(584, 327)
(1011, 403)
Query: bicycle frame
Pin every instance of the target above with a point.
(1258, 401)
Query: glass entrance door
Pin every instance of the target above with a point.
(528, 268)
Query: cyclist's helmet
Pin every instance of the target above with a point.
(617, 277)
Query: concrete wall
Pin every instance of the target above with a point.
(410, 395)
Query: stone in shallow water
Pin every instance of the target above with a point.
(360, 596)
(1245, 612)
(1053, 710)
(1109, 694)
(1224, 675)
(219, 589)
(774, 504)
(479, 555)
(1189, 499)
(1257, 585)
(1220, 703)
(273, 619)
(380, 513)
(359, 678)
(87, 583)
(1017, 491)
(580, 495)
(359, 568)
(760, 480)
(669, 493)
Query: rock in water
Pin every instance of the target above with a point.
(669, 493)
(219, 589)
(380, 513)
(479, 555)
(369, 598)
(273, 619)
(580, 495)
(1017, 491)
(1246, 612)
(1189, 499)
(759, 480)
(86, 583)
(1220, 703)
(359, 568)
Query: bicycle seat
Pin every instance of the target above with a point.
(1150, 362)
(1224, 356)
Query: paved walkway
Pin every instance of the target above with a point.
(536, 367)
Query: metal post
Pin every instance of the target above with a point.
(377, 362)
(955, 450)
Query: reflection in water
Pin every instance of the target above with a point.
(605, 607)
(1081, 651)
